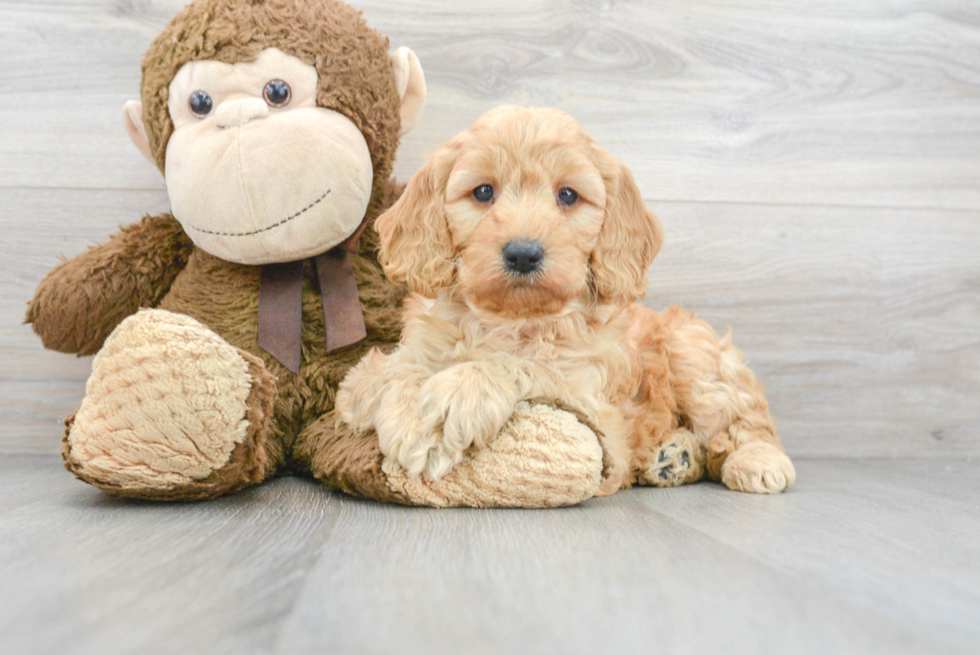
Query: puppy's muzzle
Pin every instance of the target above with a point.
(523, 257)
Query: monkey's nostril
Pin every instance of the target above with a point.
(523, 256)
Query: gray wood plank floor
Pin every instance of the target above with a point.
(863, 556)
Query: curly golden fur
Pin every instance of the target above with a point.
(671, 401)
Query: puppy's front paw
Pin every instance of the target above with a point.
(360, 393)
(414, 453)
(396, 425)
(425, 451)
(542, 457)
(441, 460)
(464, 405)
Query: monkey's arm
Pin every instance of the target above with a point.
(83, 299)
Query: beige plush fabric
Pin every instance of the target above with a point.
(543, 457)
(255, 184)
(410, 82)
(165, 404)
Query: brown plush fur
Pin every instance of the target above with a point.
(343, 460)
(154, 264)
(663, 388)
(82, 300)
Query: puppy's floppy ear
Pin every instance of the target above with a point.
(416, 246)
(630, 238)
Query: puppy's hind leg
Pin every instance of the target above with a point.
(679, 458)
(665, 452)
(725, 406)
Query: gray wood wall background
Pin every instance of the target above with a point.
(815, 165)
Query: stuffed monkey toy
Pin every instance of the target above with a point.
(222, 330)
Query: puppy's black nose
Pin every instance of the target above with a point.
(524, 256)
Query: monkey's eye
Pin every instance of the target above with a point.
(483, 193)
(276, 93)
(567, 197)
(201, 103)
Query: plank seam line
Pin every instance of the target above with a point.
(649, 200)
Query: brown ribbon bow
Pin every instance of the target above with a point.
(281, 304)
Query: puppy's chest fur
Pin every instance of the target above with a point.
(586, 351)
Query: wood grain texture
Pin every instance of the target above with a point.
(862, 556)
(830, 102)
(815, 166)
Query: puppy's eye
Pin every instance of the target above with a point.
(200, 103)
(567, 197)
(483, 193)
(276, 93)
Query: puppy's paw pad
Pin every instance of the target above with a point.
(672, 466)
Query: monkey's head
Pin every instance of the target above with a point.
(275, 123)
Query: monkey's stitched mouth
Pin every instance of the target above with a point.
(264, 229)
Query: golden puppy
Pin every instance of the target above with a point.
(525, 244)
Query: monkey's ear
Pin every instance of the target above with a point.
(410, 82)
(133, 120)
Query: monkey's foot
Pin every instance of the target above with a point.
(758, 467)
(171, 412)
(543, 457)
(679, 459)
